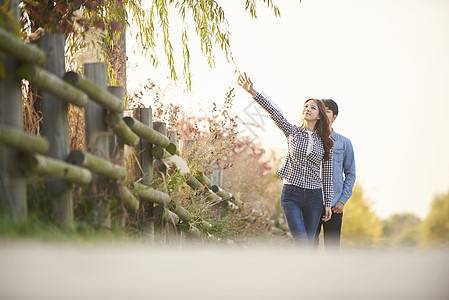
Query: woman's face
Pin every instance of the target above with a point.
(310, 112)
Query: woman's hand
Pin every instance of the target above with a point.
(327, 214)
(246, 84)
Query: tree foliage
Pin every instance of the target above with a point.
(361, 226)
(209, 20)
(435, 227)
(401, 230)
(151, 17)
(61, 15)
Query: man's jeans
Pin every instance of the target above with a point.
(332, 232)
(302, 209)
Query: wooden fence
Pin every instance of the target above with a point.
(22, 154)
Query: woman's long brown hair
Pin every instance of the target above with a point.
(323, 128)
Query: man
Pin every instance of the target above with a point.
(343, 179)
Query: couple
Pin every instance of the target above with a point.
(316, 161)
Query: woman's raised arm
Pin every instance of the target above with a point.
(286, 127)
(247, 85)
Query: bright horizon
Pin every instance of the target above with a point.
(384, 62)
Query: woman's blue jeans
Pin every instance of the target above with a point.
(302, 209)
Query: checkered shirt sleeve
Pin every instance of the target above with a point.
(275, 114)
(327, 179)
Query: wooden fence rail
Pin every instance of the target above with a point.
(23, 141)
(14, 46)
(93, 167)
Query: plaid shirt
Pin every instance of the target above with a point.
(300, 169)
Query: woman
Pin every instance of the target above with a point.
(307, 169)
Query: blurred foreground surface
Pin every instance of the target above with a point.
(35, 270)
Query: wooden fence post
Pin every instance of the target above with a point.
(143, 151)
(217, 177)
(116, 146)
(164, 231)
(185, 148)
(160, 127)
(97, 141)
(145, 115)
(13, 196)
(56, 130)
(173, 136)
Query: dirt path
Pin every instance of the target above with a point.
(35, 270)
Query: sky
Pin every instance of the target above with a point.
(384, 62)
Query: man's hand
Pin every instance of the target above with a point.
(246, 84)
(338, 209)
